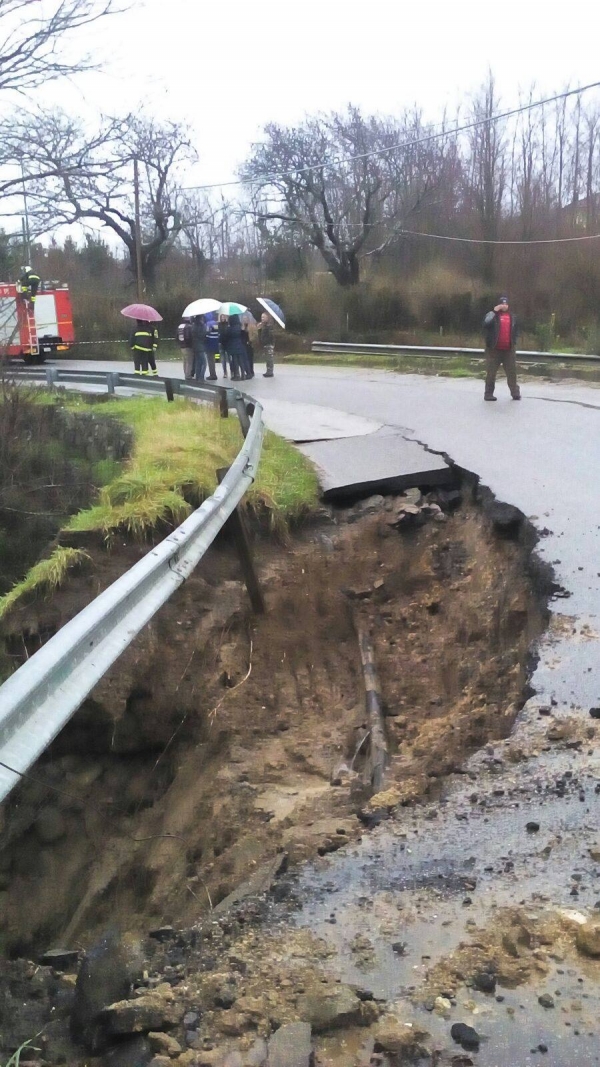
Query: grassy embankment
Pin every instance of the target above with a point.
(171, 470)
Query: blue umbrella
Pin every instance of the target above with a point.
(273, 309)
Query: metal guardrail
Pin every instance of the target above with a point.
(433, 351)
(115, 379)
(42, 695)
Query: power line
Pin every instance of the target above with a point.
(397, 147)
(475, 241)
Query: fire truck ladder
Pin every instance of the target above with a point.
(34, 347)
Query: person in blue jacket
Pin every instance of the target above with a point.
(211, 345)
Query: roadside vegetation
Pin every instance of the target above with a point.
(445, 366)
(176, 451)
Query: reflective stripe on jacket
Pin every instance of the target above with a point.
(144, 340)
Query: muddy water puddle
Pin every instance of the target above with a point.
(397, 909)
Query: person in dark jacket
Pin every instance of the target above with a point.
(29, 283)
(143, 342)
(500, 329)
(223, 323)
(184, 338)
(211, 343)
(199, 347)
(236, 349)
(248, 343)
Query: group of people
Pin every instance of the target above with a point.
(206, 340)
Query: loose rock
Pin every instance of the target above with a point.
(105, 976)
(588, 939)
(465, 1035)
(164, 1045)
(400, 1039)
(62, 959)
(291, 1046)
(546, 1000)
(162, 933)
(150, 1012)
(484, 982)
(331, 1009)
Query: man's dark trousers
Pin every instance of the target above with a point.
(508, 358)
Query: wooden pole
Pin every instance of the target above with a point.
(138, 230)
(237, 525)
(378, 748)
(221, 402)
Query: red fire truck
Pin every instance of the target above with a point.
(34, 332)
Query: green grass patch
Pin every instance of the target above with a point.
(177, 450)
(176, 453)
(44, 577)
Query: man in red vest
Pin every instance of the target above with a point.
(500, 329)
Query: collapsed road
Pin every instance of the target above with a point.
(467, 921)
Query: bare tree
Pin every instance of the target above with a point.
(32, 36)
(487, 169)
(75, 177)
(337, 208)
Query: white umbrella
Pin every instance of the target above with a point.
(204, 306)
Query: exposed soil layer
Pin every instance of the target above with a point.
(223, 741)
(51, 460)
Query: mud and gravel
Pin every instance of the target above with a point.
(226, 754)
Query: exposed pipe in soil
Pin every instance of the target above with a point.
(378, 747)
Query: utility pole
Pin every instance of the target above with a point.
(138, 230)
(26, 233)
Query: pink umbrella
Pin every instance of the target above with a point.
(141, 311)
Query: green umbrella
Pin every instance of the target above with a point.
(231, 308)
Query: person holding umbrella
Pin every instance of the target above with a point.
(266, 333)
(143, 343)
(233, 341)
(143, 340)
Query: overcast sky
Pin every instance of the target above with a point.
(228, 69)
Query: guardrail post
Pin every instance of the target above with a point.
(221, 401)
(169, 389)
(236, 524)
(112, 380)
(243, 416)
(51, 375)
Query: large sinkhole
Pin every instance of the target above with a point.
(218, 738)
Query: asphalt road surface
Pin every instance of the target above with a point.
(541, 454)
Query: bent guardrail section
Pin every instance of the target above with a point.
(42, 695)
(437, 350)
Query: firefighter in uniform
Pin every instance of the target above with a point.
(143, 343)
(29, 283)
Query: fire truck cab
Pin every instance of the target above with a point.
(34, 332)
